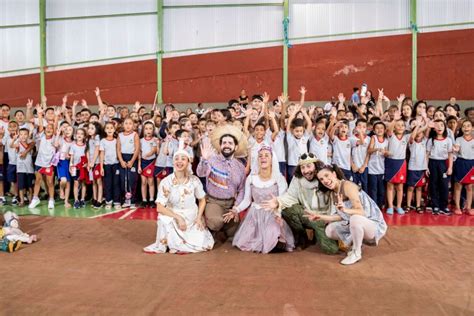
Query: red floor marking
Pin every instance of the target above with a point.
(144, 214)
(116, 215)
(409, 219)
(427, 219)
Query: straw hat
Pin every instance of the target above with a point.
(229, 129)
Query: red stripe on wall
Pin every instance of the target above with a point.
(445, 64)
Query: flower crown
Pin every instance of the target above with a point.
(307, 158)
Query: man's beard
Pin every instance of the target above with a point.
(309, 177)
(228, 154)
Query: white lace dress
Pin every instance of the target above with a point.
(181, 199)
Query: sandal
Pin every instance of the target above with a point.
(419, 210)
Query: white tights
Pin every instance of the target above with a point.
(361, 229)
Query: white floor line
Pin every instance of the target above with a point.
(105, 214)
(128, 213)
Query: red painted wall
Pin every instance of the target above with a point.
(445, 68)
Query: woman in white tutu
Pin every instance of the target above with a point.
(263, 230)
(181, 227)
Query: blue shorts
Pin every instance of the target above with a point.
(25, 180)
(11, 173)
(1, 172)
(63, 170)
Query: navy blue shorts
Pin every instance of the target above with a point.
(1, 172)
(25, 180)
(11, 173)
(63, 170)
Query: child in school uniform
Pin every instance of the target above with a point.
(146, 165)
(417, 164)
(395, 163)
(9, 143)
(78, 168)
(278, 148)
(360, 143)
(94, 132)
(128, 148)
(440, 167)
(109, 167)
(24, 166)
(319, 143)
(464, 168)
(377, 151)
(44, 171)
(170, 145)
(297, 137)
(63, 143)
(257, 140)
(185, 138)
(341, 146)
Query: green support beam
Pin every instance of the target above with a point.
(223, 5)
(286, 11)
(16, 26)
(102, 16)
(159, 53)
(42, 31)
(414, 49)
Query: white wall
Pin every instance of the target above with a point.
(19, 47)
(323, 17)
(74, 41)
(433, 12)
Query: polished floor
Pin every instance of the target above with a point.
(409, 219)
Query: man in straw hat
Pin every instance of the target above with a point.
(225, 177)
(303, 194)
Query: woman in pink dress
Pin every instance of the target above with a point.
(262, 230)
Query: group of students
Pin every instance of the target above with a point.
(118, 157)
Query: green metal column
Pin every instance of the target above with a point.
(159, 53)
(414, 49)
(42, 30)
(285, 49)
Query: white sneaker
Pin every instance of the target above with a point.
(34, 202)
(126, 204)
(352, 257)
(50, 204)
(153, 249)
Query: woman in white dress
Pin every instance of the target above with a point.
(181, 227)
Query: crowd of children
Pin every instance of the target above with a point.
(116, 157)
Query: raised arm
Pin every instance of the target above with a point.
(309, 122)
(400, 99)
(99, 99)
(283, 100)
(302, 93)
(29, 112)
(292, 117)
(274, 125)
(247, 121)
(39, 112)
(391, 126)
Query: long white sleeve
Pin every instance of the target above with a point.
(245, 203)
(282, 185)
